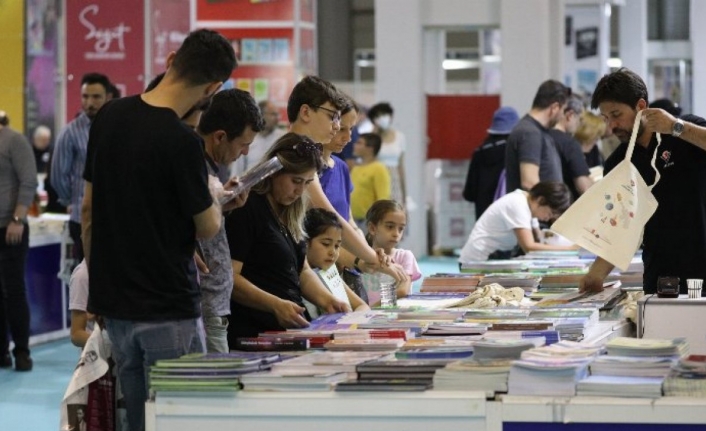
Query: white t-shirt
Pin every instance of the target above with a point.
(78, 288)
(495, 228)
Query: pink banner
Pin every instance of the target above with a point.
(105, 37)
(170, 26)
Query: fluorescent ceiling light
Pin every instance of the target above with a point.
(615, 63)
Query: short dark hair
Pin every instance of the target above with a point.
(554, 194)
(312, 91)
(575, 104)
(231, 110)
(621, 86)
(372, 140)
(550, 91)
(380, 109)
(204, 57)
(317, 220)
(348, 104)
(96, 78)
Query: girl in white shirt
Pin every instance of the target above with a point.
(508, 221)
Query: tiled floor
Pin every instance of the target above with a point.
(30, 401)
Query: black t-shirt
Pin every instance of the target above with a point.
(593, 157)
(272, 261)
(675, 237)
(487, 162)
(573, 163)
(149, 179)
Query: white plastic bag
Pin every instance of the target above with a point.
(609, 218)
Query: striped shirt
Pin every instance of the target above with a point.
(68, 163)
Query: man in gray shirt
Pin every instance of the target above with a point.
(227, 127)
(18, 185)
(530, 154)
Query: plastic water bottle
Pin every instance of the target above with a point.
(388, 291)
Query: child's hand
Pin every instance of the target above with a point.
(395, 271)
(289, 314)
(200, 264)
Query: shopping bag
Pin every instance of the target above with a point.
(609, 218)
(89, 403)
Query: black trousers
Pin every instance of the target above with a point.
(14, 309)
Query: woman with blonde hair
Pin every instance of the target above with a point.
(268, 249)
(590, 130)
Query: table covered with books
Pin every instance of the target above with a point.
(484, 358)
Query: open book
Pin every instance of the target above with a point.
(253, 176)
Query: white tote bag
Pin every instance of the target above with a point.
(609, 218)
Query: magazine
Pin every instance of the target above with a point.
(252, 177)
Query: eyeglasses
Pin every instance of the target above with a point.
(335, 115)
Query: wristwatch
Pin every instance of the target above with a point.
(16, 219)
(678, 128)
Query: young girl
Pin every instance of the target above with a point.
(386, 221)
(508, 222)
(323, 246)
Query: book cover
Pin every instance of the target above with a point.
(269, 343)
(253, 176)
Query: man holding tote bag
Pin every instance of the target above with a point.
(674, 241)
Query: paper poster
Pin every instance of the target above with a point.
(264, 50)
(248, 49)
(261, 89)
(244, 84)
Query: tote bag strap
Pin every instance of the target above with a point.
(631, 148)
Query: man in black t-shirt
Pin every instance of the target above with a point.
(573, 163)
(146, 202)
(674, 241)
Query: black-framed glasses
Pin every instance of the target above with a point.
(335, 115)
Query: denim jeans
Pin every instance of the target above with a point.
(216, 334)
(137, 346)
(14, 308)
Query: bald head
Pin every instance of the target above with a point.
(41, 137)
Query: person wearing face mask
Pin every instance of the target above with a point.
(393, 148)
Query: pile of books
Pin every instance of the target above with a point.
(395, 375)
(450, 283)
(292, 380)
(687, 377)
(493, 266)
(474, 375)
(633, 368)
(208, 372)
(326, 361)
(552, 370)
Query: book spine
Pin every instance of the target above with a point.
(271, 344)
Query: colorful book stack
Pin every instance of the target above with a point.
(450, 283)
(207, 372)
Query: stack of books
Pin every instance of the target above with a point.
(552, 370)
(292, 380)
(528, 282)
(489, 375)
(208, 372)
(687, 378)
(633, 368)
(399, 372)
(450, 283)
(325, 362)
(493, 266)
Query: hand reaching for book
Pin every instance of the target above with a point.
(289, 314)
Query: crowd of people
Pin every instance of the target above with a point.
(172, 261)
